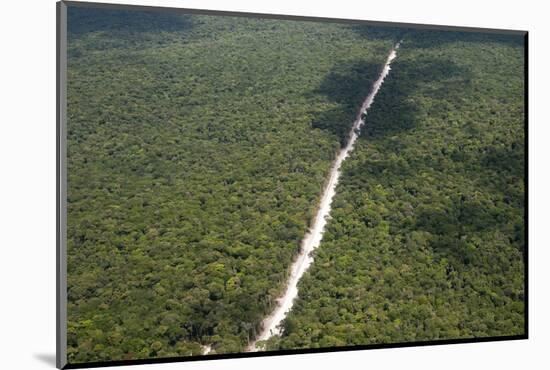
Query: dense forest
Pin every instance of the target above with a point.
(197, 149)
(426, 236)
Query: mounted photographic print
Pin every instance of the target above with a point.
(234, 184)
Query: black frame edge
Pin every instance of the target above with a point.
(526, 181)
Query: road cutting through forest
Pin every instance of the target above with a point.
(312, 239)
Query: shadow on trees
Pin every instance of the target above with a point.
(459, 215)
(379, 32)
(347, 85)
(433, 38)
(399, 111)
(92, 30)
(424, 38)
(82, 21)
(508, 158)
(501, 164)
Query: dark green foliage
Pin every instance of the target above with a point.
(197, 148)
(426, 238)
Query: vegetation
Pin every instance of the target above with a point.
(426, 237)
(197, 148)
